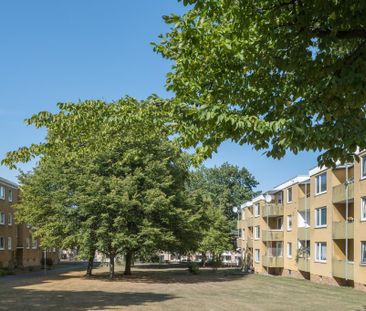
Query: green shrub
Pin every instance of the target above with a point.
(193, 268)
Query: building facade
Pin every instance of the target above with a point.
(311, 227)
(18, 249)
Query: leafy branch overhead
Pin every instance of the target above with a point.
(280, 75)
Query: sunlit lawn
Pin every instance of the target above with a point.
(173, 288)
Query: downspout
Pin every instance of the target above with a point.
(346, 231)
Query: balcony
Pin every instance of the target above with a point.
(303, 264)
(272, 262)
(339, 193)
(339, 230)
(249, 222)
(272, 235)
(250, 243)
(339, 269)
(301, 207)
(272, 210)
(303, 233)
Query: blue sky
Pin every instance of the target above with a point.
(60, 51)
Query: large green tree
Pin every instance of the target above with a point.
(228, 186)
(279, 75)
(122, 186)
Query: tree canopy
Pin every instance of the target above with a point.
(109, 179)
(227, 186)
(279, 75)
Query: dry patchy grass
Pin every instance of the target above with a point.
(173, 288)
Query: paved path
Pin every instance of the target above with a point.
(56, 270)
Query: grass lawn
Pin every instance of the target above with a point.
(173, 288)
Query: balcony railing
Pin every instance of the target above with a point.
(250, 242)
(339, 193)
(303, 233)
(272, 262)
(303, 264)
(301, 204)
(339, 230)
(272, 210)
(343, 270)
(249, 222)
(272, 235)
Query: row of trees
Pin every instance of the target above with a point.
(110, 179)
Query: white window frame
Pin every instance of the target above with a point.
(10, 195)
(10, 219)
(319, 247)
(257, 255)
(256, 209)
(363, 209)
(316, 217)
(289, 218)
(2, 218)
(289, 249)
(257, 232)
(34, 244)
(27, 243)
(363, 252)
(363, 162)
(2, 243)
(318, 183)
(289, 190)
(10, 246)
(2, 193)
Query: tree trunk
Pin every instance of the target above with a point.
(89, 269)
(111, 266)
(128, 263)
(204, 259)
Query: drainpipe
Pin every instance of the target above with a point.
(306, 228)
(346, 231)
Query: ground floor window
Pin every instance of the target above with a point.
(257, 255)
(363, 252)
(9, 243)
(320, 251)
(289, 249)
(2, 243)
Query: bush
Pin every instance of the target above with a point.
(49, 262)
(193, 268)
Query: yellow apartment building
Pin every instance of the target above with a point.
(17, 247)
(311, 227)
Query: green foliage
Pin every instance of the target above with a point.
(277, 75)
(108, 179)
(227, 186)
(193, 268)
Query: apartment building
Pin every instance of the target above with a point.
(311, 227)
(17, 246)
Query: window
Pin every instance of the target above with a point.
(2, 243)
(34, 244)
(321, 217)
(10, 219)
(256, 210)
(363, 252)
(289, 195)
(257, 232)
(321, 251)
(9, 243)
(27, 242)
(289, 249)
(363, 167)
(10, 198)
(321, 183)
(2, 218)
(289, 222)
(363, 208)
(2, 193)
(279, 198)
(257, 255)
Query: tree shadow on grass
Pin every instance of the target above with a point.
(169, 276)
(28, 299)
